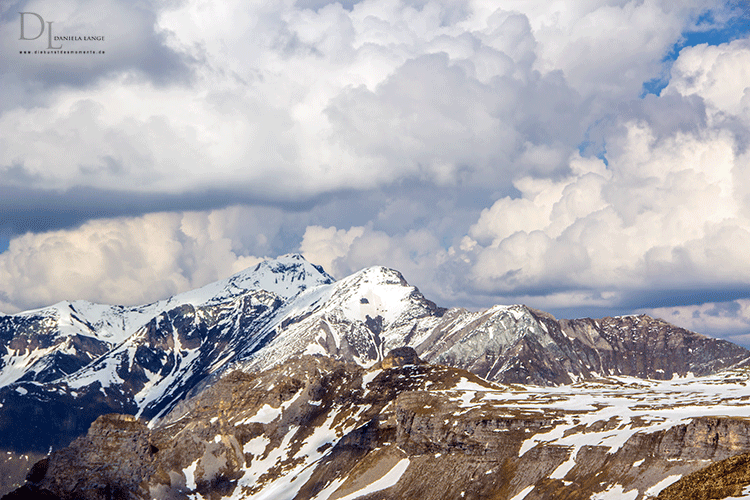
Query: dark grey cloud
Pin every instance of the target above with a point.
(664, 297)
(25, 209)
(724, 309)
(405, 206)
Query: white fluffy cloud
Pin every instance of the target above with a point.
(285, 102)
(669, 212)
(661, 216)
(607, 49)
(127, 261)
(417, 254)
(326, 245)
(663, 212)
(720, 75)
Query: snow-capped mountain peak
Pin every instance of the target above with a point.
(357, 318)
(286, 276)
(372, 292)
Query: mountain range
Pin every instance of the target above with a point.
(266, 333)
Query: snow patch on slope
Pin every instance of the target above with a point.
(615, 492)
(389, 479)
(265, 415)
(656, 489)
(523, 493)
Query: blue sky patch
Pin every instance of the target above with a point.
(705, 33)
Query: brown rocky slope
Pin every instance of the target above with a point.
(727, 478)
(319, 428)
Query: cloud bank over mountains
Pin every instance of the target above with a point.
(491, 155)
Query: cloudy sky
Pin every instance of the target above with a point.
(585, 157)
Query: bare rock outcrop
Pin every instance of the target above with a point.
(115, 459)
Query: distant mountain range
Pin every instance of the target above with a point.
(63, 366)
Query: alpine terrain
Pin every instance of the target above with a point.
(282, 383)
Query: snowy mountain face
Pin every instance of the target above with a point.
(47, 344)
(79, 356)
(75, 361)
(371, 312)
(356, 319)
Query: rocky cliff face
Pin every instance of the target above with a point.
(320, 428)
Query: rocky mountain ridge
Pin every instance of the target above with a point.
(49, 343)
(76, 361)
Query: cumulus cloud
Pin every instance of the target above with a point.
(130, 260)
(416, 253)
(668, 212)
(286, 101)
(608, 49)
(326, 245)
(720, 75)
(665, 213)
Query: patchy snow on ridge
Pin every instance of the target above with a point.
(265, 415)
(608, 412)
